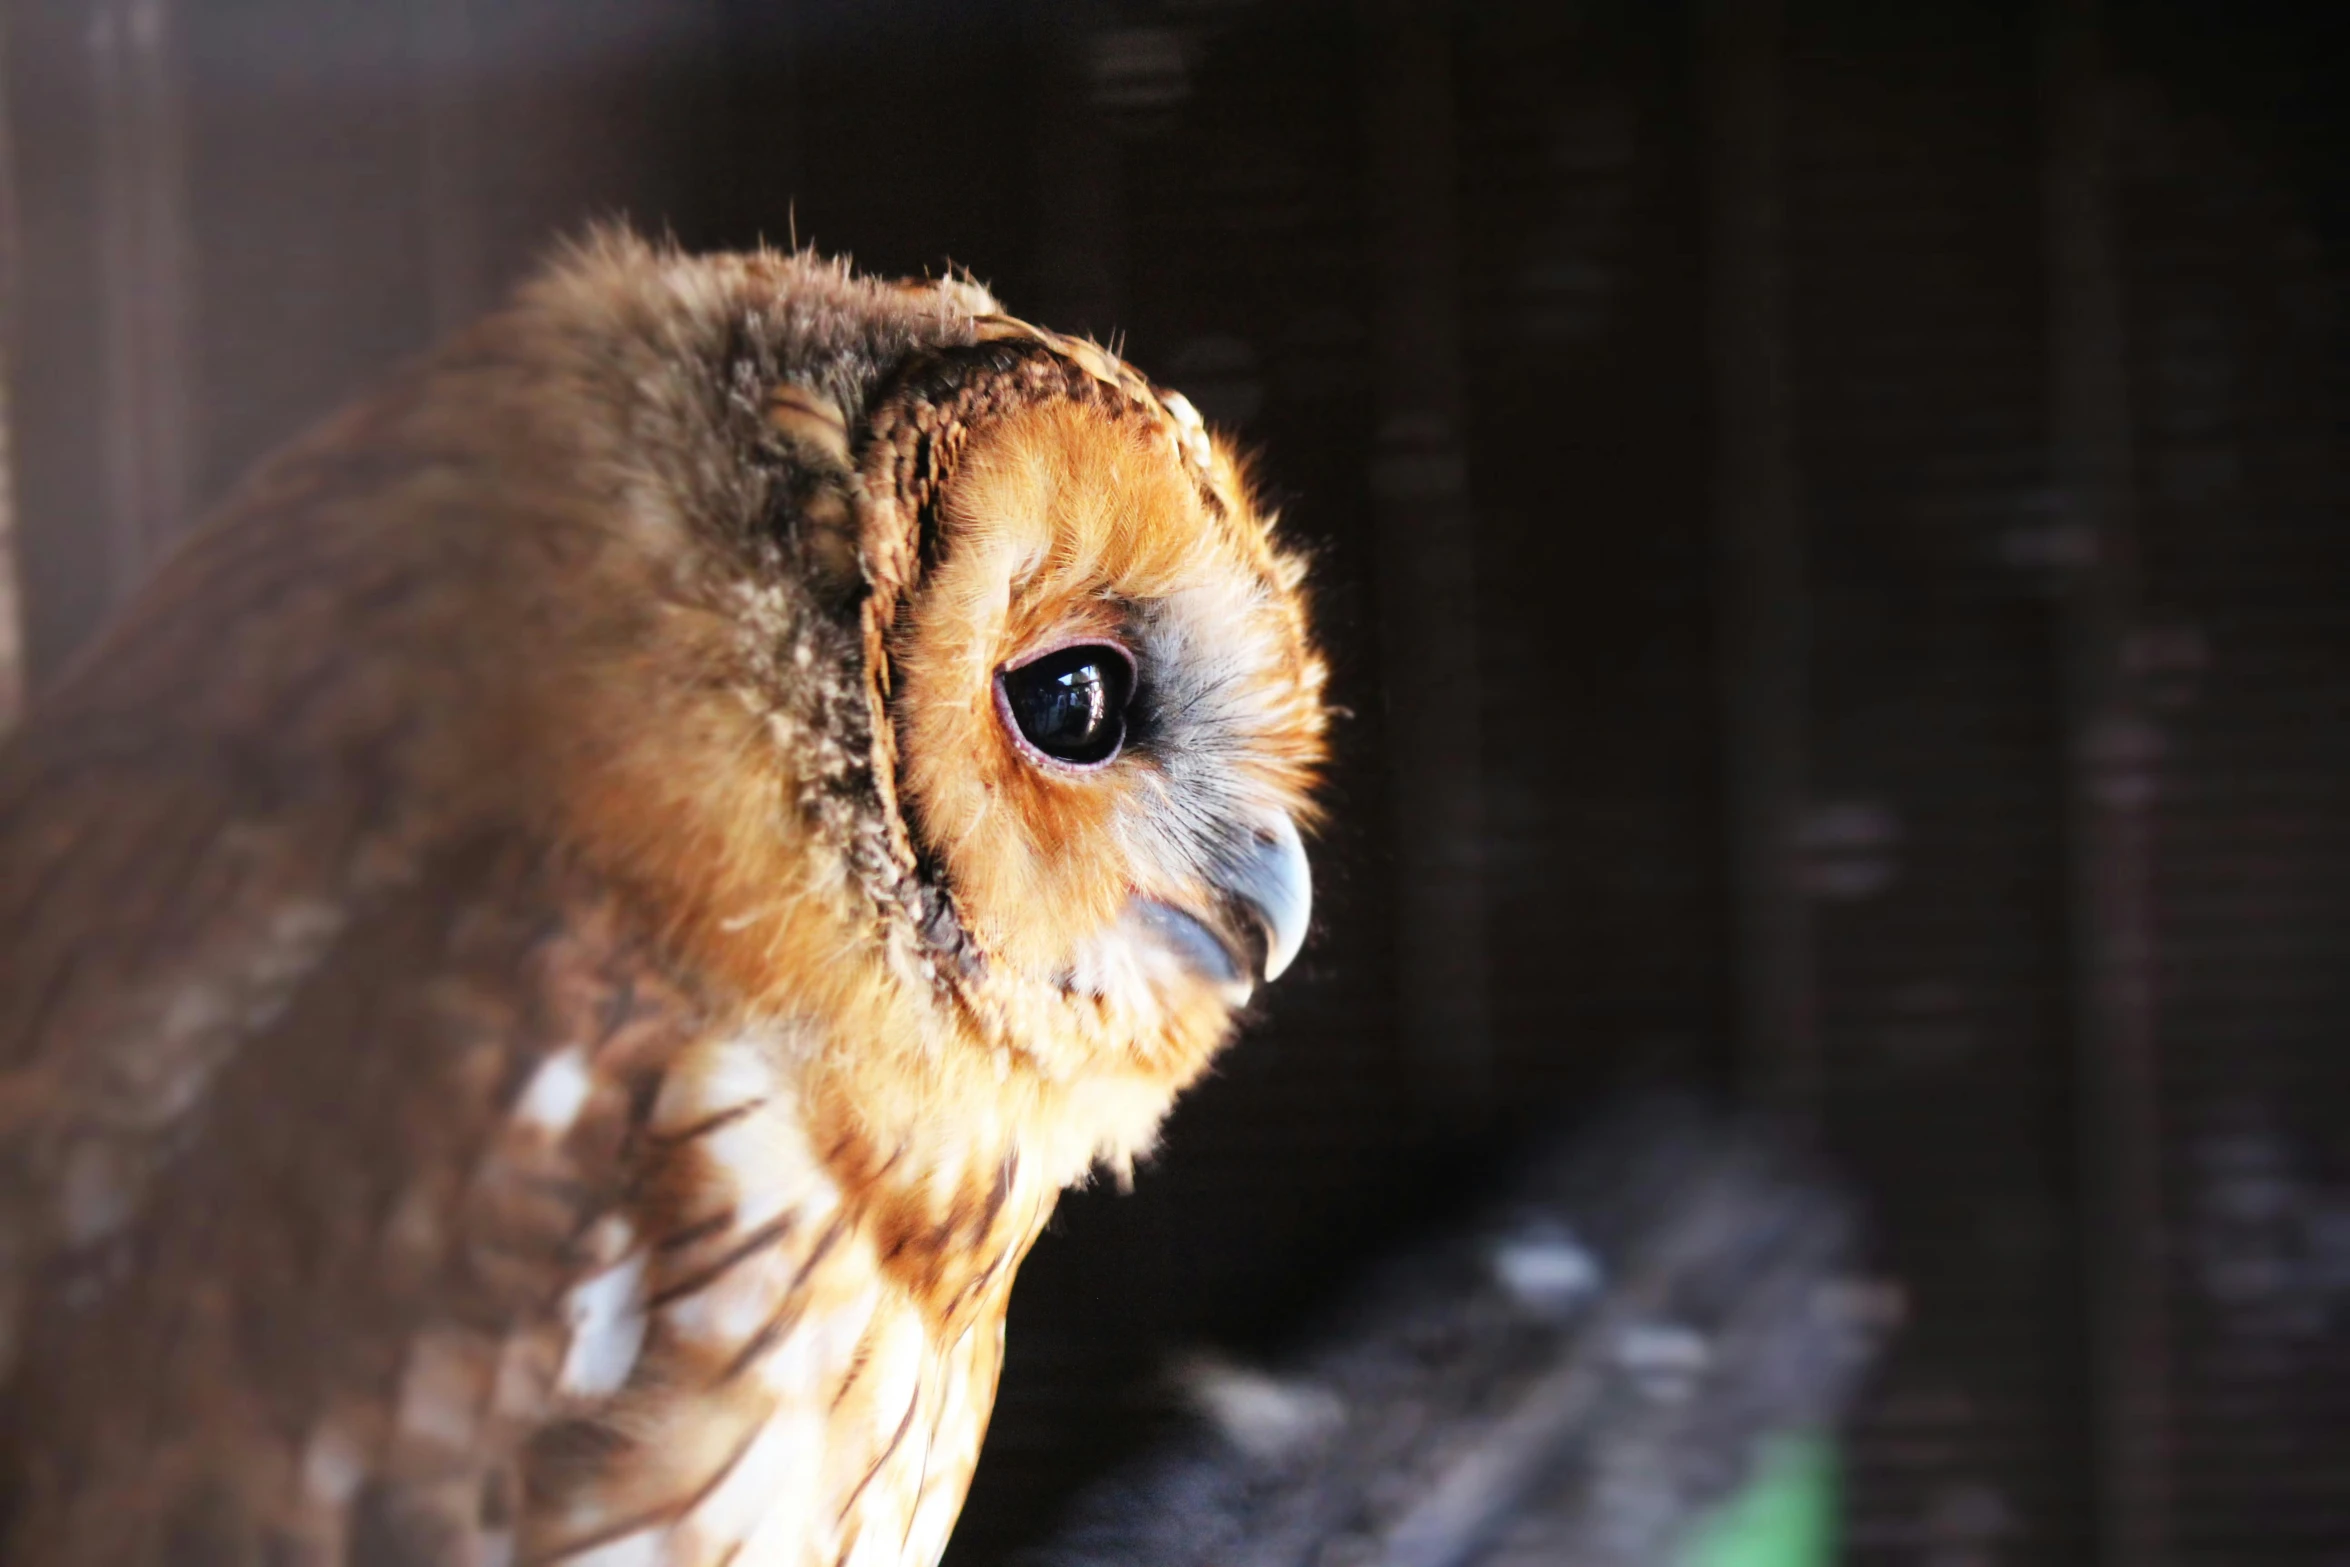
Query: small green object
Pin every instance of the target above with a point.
(1786, 1516)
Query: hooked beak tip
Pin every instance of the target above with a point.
(1264, 902)
(1274, 884)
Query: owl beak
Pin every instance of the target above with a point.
(1272, 890)
(1264, 899)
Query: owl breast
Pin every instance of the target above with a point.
(802, 1344)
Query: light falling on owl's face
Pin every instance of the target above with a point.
(1108, 714)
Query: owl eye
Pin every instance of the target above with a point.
(1071, 703)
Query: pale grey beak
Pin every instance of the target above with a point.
(1264, 902)
(1272, 887)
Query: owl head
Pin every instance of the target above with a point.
(1096, 684)
(993, 685)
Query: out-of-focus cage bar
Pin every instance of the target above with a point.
(2110, 792)
(12, 659)
(1893, 454)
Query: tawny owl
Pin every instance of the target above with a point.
(556, 958)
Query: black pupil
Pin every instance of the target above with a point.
(1071, 705)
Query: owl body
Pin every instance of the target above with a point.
(556, 960)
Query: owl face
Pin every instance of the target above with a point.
(986, 728)
(1108, 715)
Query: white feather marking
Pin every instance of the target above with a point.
(96, 1194)
(194, 1010)
(415, 1232)
(440, 1396)
(771, 1489)
(896, 1372)
(728, 1077)
(769, 1170)
(762, 1164)
(333, 1465)
(645, 1548)
(297, 929)
(819, 1346)
(721, 1316)
(611, 1238)
(726, 1311)
(527, 1368)
(298, 934)
(556, 1092)
(607, 1316)
(947, 1459)
(934, 1521)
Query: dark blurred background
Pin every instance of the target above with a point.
(1833, 535)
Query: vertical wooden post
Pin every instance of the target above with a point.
(143, 260)
(1080, 253)
(1764, 613)
(1426, 554)
(2109, 801)
(449, 73)
(12, 624)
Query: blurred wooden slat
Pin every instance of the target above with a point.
(2113, 762)
(232, 218)
(1080, 261)
(1764, 606)
(12, 660)
(1427, 564)
(143, 263)
(457, 264)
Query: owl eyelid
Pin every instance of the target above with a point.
(1045, 650)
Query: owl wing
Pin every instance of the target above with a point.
(312, 1150)
(339, 1217)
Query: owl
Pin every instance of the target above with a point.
(556, 958)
